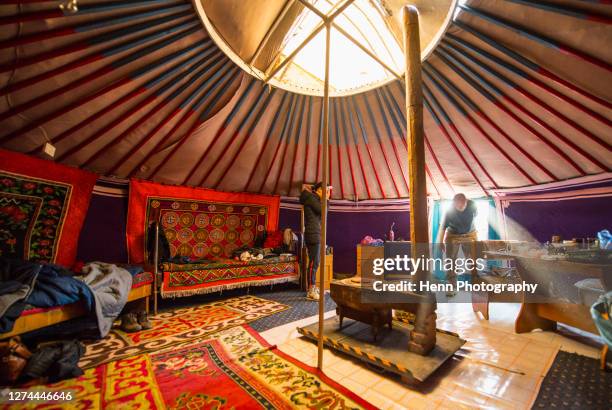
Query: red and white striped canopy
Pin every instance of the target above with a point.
(517, 93)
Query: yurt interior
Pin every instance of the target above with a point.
(305, 204)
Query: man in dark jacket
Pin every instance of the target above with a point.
(311, 200)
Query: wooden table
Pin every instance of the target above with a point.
(555, 277)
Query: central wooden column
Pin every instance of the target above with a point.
(423, 338)
(325, 182)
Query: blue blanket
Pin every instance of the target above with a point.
(55, 286)
(24, 283)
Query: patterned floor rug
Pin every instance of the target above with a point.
(292, 296)
(575, 382)
(288, 294)
(179, 325)
(234, 369)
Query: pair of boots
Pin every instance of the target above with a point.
(135, 322)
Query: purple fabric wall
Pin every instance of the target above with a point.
(575, 218)
(103, 234)
(346, 229)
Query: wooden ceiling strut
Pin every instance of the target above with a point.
(283, 139)
(454, 65)
(102, 71)
(298, 137)
(355, 144)
(307, 142)
(401, 129)
(224, 126)
(246, 138)
(565, 11)
(268, 136)
(287, 124)
(351, 120)
(379, 141)
(215, 93)
(430, 107)
(465, 113)
(398, 157)
(532, 36)
(227, 122)
(402, 116)
(498, 102)
(187, 107)
(174, 82)
(90, 43)
(321, 26)
(193, 78)
(290, 132)
(109, 126)
(437, 162)
(96, 56)
(127, 78)
(525, 93)
(335, 121)
(90, 26)
(522, 60)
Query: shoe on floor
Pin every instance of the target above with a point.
(312, 295)
(143, 320)
(129, 323)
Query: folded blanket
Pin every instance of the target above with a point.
(110, 285)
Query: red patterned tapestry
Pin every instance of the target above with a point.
(198, 223)
(42, 208)
(235, 369)
(185, 280)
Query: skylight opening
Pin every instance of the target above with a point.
(352, 67)
(283, 42)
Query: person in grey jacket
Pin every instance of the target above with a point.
(311, 200)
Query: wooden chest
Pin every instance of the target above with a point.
(366, 255)
(329, 271)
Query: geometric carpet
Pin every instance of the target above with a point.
(288, 294)
(179, 325)
(232, 369)
(299, 306)
(575, 382)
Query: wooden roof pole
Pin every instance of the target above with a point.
(423, 337)
(325, 181)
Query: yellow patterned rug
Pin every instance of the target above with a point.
(179, 325)
(233, 369)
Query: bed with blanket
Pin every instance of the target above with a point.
(42, 209)
(35, 295)
(202, 230)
